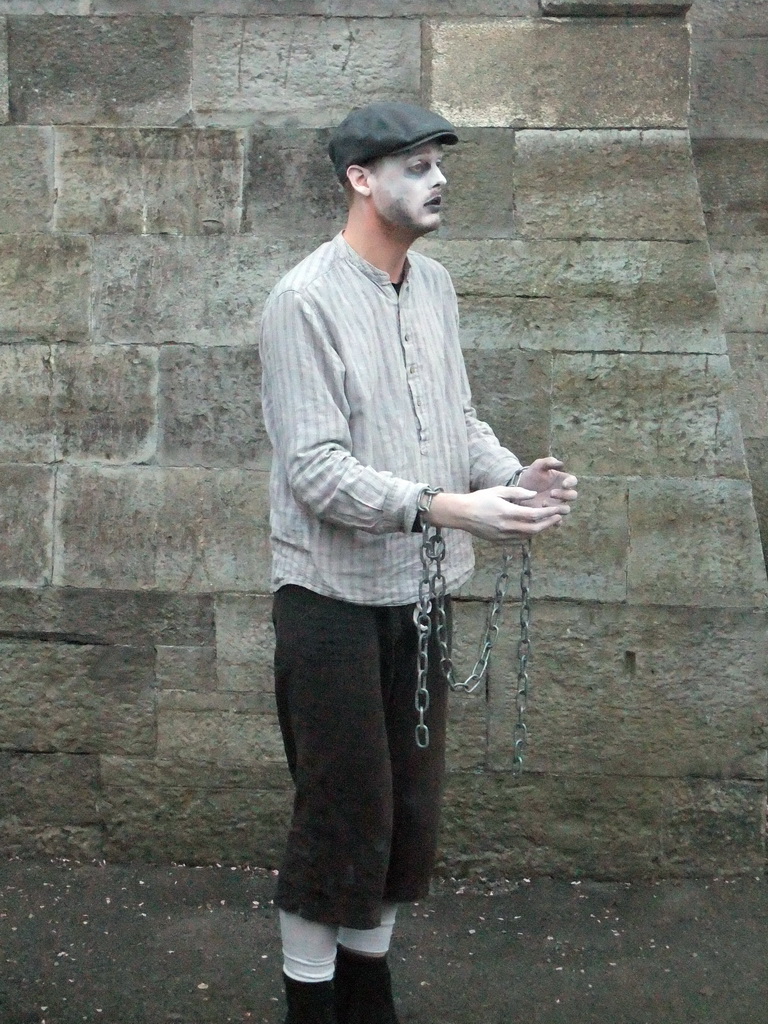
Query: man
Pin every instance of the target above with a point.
(367, 405)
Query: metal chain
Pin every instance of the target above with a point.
(432, 594)
(520, 732)
(432, 551)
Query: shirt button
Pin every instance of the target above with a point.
(413, 369)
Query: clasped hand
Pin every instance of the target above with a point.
(540, 501)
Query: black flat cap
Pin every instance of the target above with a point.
(384, 129)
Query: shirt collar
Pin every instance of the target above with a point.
(379, 277)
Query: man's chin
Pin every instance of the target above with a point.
(426, 225)
(425, 229)
(410, 230)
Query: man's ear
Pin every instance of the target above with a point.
(358, 178)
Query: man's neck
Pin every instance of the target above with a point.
(383, 246)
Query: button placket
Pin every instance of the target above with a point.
(415, 384)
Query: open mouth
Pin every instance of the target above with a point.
(434, 204)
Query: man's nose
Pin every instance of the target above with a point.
(438, 178)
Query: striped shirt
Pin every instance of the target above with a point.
(366, 402)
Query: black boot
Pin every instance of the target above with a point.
(363, 989)
(309, 1002)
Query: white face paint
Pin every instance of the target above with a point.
(407, 189)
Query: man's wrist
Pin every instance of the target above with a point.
(447, 510)
(426, 495)
(423, 506)
(514, 480)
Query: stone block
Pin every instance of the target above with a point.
(35, 842)
(480, 197)
(26, 532)
(213, 532)
(729, 94)
(4, 113)
(467, 735)
(537, 824)
(26, 427)
(184, 824)
(757, 461)
(711, 826)
(512, 391)
(245, 641)
(584, 296)
(26, 179)
(301, 71)
(177, 181)
(749, 357)
(186, 668)
(711, 20)
(570, 322)
(585, 559)
(246, 739)
(491, 324)
(109, 71)
(505, 268)
(613, 8)
(194, 291)
(321, 8)
(209, 408)
(196, 811)
(107, 527)
(126, 618)
(172, 529)
(290, 186)
(733, 177)
(606, 184)
(104, 400)
(198, 702)
(559, 74)
(148, 773)
(44, 288)
(694, 542)
(44, 6)
(599, 827)
(77, 698)
(436, 8)
(627, 691)
(742, 284)
(55, 789)
(646, 415)
(466, 739)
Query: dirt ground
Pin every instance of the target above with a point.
(153, 945)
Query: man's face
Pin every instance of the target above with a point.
(407, 189)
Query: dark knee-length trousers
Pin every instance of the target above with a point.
(366, 808)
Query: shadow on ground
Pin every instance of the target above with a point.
(155, 945)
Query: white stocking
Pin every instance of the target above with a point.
(309, 948)
(373, 941)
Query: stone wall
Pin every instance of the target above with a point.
(161, 164)
(730, 128)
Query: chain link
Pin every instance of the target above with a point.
(432, 594)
